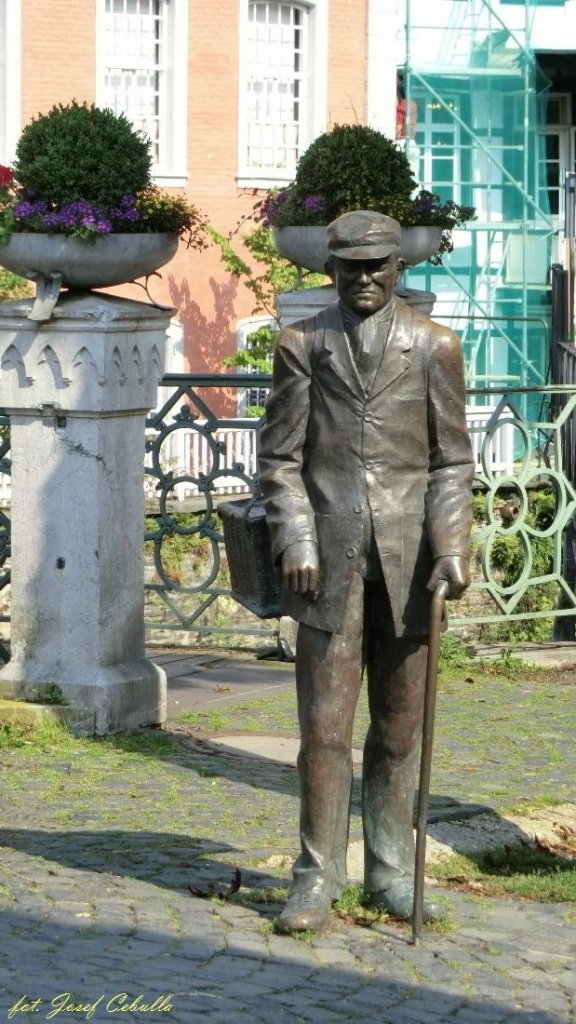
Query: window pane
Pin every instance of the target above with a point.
(134, 73)
(277, 59)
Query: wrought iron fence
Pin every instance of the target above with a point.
(564, 372)
(194, 456)
(518, 456)
(534, 584)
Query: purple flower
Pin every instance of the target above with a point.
(313, 204)
(272, 205)
(126, 210)
(78, 214)
(30, 208)
(52, 220)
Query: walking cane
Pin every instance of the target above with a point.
(438, 599)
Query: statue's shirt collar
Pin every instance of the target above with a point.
(352, 321)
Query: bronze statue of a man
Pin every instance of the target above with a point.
(366, 469)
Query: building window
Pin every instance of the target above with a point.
(10, 46)
(283, 99)
(141, 56)
(438, 136)
(557, 154)
(251, 398)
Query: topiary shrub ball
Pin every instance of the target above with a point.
(82, 152)
(353, 167)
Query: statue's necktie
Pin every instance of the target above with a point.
(367, 341)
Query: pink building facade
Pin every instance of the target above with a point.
(230, 91)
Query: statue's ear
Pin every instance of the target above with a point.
(400, 265)
(329, 268)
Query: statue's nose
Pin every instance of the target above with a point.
(363, 274)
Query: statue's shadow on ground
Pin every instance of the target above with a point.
(178, 860)
(170, 860)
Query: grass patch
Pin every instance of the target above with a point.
(264, 895)
(517, 872)
(353, 908)
(276, 713)
(456, 660)
(267, 928)
(6, 894)
(308, 935)
(208, 721)
(526, 807)
(455, 655)
(445, 926)
(148, 744)
(41, 733)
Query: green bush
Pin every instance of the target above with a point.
(82, 152)
(351, 167)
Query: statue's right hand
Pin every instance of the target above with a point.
(300, 567)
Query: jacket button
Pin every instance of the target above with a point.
(357, 509)
(350, 553)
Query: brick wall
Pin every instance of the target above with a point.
(58, 64)
(347, 62)
(57, 53)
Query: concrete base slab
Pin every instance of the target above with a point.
(97, 699)
(211, 681)
(283, 749)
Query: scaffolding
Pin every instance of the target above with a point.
(473, 81)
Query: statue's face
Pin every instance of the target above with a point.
(365, 286)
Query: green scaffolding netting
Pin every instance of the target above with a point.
(479, 101)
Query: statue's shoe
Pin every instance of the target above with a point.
(398, 900)
(307, 909)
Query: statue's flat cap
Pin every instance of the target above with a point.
(363, 235)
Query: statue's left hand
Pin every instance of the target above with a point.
(455, 570)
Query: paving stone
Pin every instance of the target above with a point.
(146, 933)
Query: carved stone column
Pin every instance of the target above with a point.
(77, 389)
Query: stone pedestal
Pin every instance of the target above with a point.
(77, 389)
(305, 302)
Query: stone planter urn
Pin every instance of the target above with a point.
(55, 261)
(306, 245)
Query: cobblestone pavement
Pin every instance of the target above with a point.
(98, 922)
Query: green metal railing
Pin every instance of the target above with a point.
(186, 587)
(540, 445)
(542, 451)
(188, 465)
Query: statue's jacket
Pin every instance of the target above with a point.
(333, 448)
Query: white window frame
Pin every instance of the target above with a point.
(10, 78)
(244, 328)
(563, 130)
(171, 167)
(316, 73)
(430, 148)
